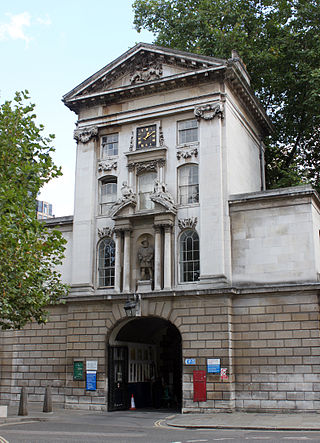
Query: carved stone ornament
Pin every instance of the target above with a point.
(84, 135)
(131, 142)
(161, 196)
(188, 223)
(147, 166)
(187, 153)
(209, 111)
(106, 166)
(105, 232)
(161, 137)
(128, 198)
(145, 70)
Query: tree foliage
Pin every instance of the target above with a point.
(279, 41)
(29, 252)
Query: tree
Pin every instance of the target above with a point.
(279, 41)
(29, 252)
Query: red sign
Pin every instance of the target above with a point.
(223, 374)
(199, 386)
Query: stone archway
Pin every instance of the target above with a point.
(145, 360)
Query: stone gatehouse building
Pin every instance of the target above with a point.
(173, 225)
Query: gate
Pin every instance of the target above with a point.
(118, 398)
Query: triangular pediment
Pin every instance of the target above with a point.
(142, 64)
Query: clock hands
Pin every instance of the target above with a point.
(148, 135)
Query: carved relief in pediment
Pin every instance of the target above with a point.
(141, 69)
(145, 69)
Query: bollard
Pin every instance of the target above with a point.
(47, 404)
(23, 405)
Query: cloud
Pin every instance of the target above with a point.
(44, 21)
(15, 28)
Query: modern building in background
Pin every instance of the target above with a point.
(44, 210)
(191, 285)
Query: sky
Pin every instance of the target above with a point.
(48, 48)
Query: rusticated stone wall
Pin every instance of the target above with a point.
(269, 344)
(277, 352)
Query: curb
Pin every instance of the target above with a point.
(244, 427)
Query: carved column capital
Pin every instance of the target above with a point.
(84, 135)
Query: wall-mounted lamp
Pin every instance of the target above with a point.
(132, 307)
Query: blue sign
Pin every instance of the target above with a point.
(91, 381)
(213, 365)
(190, 361)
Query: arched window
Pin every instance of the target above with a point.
(188, 183)
(108, 193)
(189, 256)
(106, 262)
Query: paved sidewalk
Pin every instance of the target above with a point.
(248, 420)
(35, 414)
(219, 420)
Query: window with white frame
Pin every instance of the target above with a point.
(106, 262)
(108, 193)
(145, 188)
(189, 256)
(188, 184)
(109, 145)
(187, 131)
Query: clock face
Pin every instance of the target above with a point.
(146, 137)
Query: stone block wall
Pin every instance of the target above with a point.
(269, 343)
(277, 352)
(35, 357)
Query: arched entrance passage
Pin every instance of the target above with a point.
(145, 359)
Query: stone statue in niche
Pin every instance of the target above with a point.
(145, 257)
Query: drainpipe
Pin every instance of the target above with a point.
(262, 166)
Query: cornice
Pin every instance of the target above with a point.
(270, 195)
(228, 73)
(230, 291)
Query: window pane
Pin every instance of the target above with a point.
(109, 145)
(188, 131)
(188, 184)
(189, 256)
(106, 259)
(146, 187)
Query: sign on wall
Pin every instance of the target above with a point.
(78, 372)
(190, 361)
(213, 365)
(91, 381)
(92, 365)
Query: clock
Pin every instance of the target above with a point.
(146, 137)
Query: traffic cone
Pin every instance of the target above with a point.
(133, 406)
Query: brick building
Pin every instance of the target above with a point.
(174, 226)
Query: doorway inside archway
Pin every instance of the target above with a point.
(145, 360)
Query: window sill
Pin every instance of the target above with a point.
(187, 145)
(188, 205)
